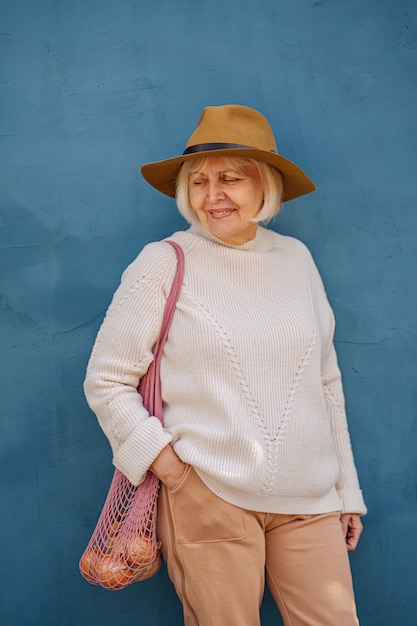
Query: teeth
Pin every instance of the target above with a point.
(220, 213)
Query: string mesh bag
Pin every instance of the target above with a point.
(124, 548)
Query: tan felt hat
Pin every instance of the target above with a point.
(230, 130)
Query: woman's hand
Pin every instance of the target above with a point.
(352, 529)
(168, 467)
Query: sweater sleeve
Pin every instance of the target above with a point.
(122, 354)
(348, 484)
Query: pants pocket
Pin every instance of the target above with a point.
(199, 516)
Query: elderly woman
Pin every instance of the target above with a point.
(258, 479)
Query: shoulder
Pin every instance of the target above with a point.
(294, 248)
(156, 264)
(300, 254)
(153, 268)
(152, 262)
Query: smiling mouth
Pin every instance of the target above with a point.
(223, 213)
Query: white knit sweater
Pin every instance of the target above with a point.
(250, 381)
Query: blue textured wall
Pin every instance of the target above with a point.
(92, 88)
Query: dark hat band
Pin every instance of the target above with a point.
(206, 147)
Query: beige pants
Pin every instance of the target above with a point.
(219, 555)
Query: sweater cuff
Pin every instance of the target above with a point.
(129, 460)
(352, 501)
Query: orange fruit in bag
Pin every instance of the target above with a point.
(113, 572)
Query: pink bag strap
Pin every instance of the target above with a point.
(171, 301)
(150, 384)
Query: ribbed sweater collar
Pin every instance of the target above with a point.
(263, 241)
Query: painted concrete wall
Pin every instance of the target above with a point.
(92, 88)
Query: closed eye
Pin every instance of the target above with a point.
(230, 180)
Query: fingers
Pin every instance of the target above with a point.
(352, 529)
(168, 466)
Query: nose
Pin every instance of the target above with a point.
(214, 191)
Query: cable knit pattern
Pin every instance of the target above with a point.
(252, 391)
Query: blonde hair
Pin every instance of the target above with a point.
(271, 181)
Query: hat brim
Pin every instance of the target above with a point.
(162, 175)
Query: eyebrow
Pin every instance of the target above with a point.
(221, 172)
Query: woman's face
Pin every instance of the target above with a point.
(226, 198)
